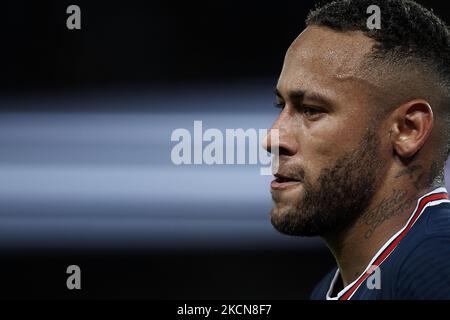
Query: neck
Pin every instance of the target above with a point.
(388, 212)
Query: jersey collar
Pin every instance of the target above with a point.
(432, 198)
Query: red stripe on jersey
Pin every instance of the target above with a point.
(383, 255)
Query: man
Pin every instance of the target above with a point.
(363, 138)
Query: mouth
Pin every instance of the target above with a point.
(283, 182)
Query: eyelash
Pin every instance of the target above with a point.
(280, 105)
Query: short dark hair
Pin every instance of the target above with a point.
(409, 32)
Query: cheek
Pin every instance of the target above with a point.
(322, 147)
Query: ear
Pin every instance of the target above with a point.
(412, 125)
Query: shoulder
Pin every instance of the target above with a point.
(437, 220)
(434, 222)
(424, 265)
(320, 290)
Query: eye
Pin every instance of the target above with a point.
(312, 113)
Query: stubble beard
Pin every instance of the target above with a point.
(338, 198)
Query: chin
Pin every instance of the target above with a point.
(285, 201)
(281, 212)
(283, 221)
(288, 221)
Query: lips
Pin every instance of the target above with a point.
(283, 182)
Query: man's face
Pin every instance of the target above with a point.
(329, 144)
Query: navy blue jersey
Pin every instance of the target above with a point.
(413, 264)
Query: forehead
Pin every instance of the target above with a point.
(326, 60)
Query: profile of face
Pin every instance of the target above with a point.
(330, 147)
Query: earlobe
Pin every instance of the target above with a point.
(405, 149)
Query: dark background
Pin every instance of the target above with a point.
(150, 42)
(139, 58)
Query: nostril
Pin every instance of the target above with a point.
(277, 143)
(282, 151)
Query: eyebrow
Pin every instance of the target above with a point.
(300, 95)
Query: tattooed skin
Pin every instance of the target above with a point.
(399, 202)
(390, 206)
(408, 171)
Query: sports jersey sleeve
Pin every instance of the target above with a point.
(425, 272)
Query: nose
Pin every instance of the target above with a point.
(281, 136)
